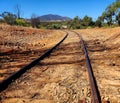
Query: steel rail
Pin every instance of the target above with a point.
(93, 84)
(94, 88)
(4, 84)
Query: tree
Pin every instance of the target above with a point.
(118, 18)
(98, 22)
(117, 11)
(35, 22)
(107, 15)
(111, 13)
(74, 24)
(18, 11)
(87, 21)
(8, 17)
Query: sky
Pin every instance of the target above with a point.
(70, 8)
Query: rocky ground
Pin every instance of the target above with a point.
(61, 77)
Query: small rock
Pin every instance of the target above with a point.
(105, 50)
(106, 98)
(113, 64)
(74, 96)
(81, 101)
(104, 101)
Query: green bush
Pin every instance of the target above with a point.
(20, 22)
(54, 26)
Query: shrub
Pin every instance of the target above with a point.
(54, 26)
(20, 22)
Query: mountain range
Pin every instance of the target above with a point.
(52, 17)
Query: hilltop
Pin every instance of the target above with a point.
(52, 17)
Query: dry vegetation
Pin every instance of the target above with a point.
(15, 37)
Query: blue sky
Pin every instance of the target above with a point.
(70, 8)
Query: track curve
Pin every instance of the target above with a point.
(61, 77)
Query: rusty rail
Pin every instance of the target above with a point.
(94, 88)
(93, 84)
(4, 84)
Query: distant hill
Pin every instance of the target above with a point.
(51, 17)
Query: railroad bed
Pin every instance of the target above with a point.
(62, 77)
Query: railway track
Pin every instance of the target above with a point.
(92, 81)
(61, 79)
(14, 76)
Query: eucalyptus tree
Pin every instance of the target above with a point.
(111, 13)
(87, 21)
(8, 17)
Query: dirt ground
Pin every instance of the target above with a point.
(20, 45)
(61, 77)
(104, 50)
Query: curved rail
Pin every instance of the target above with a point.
(4, 84)
(94, 88)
